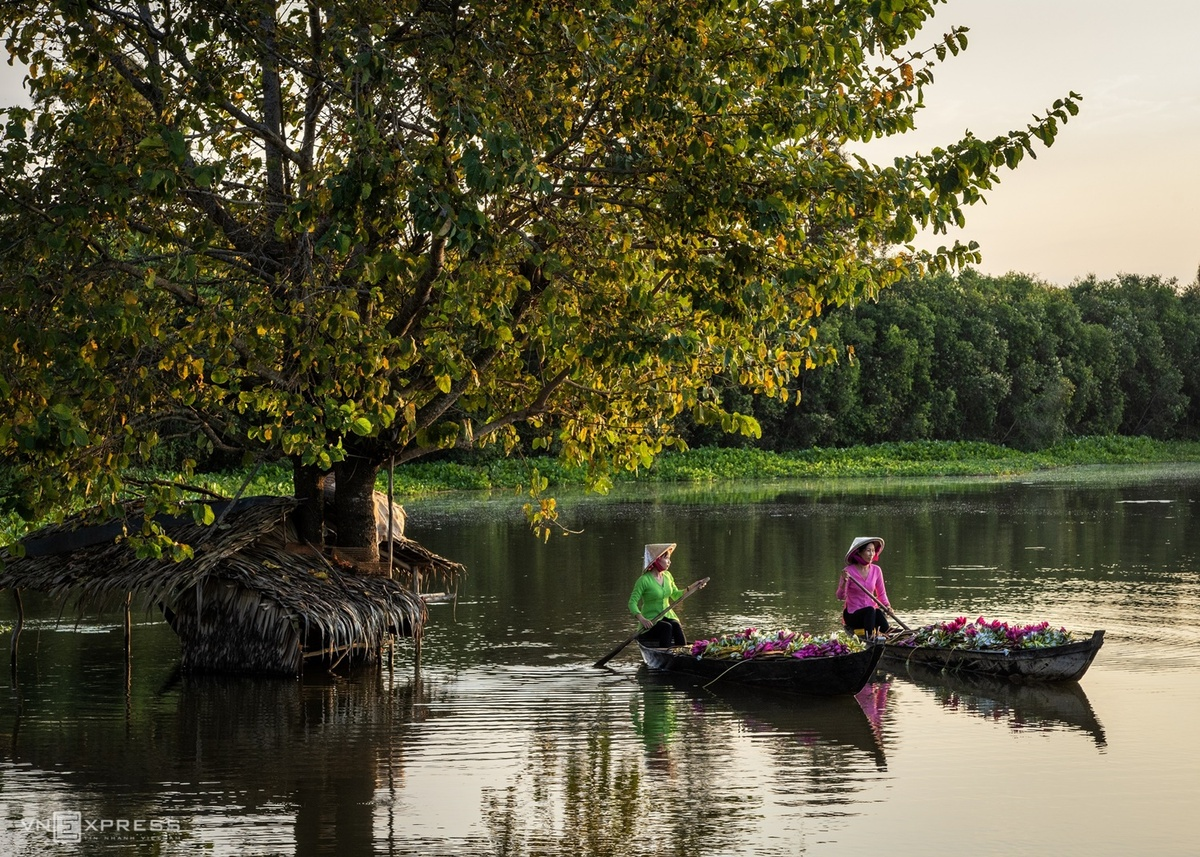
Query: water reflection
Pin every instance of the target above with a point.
(511, 744)
(592, 797)
(235, 765)
(1023, 707)
(873, 700)
(834, 732)
(654, 720)
(587, 798)
(708, 765)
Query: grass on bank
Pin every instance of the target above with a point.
(913, 459)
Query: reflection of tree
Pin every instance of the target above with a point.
(288, 761)
(593, 797)
(322, 746)
(580, 801)
(680, 783)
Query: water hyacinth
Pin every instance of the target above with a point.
(960, 633)
(753, 642)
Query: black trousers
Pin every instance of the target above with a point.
(663, 634)
(868, 619)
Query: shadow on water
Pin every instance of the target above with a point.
(1024, 707)
(827, 730)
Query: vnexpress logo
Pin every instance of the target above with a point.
(68, 826)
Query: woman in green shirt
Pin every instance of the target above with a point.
(652, 592)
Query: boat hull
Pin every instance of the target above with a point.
(827, 676)
(1056, 663)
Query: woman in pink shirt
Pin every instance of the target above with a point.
(859, 581)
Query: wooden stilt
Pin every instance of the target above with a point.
(15, 645)
(391, 515)
(128, 664)
(128, 631)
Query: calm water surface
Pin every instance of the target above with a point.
(507, 742)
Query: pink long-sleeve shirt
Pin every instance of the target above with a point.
(854, 597)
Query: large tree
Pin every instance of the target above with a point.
(350, 233)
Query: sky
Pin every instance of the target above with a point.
(1119, 191)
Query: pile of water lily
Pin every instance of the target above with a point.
(961, 633)
(754, 642)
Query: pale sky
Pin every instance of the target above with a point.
(1119, 192)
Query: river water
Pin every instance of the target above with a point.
(504, 740)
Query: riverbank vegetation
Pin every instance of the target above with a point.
(710, 464)
(1005, 360)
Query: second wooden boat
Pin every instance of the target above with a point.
(1054, 663)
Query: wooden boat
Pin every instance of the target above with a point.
(1054, 663)
(820, 676)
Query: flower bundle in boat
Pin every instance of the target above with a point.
(754, 642)
(1016, 652)
(962, 633)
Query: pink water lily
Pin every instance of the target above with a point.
(753, 643)
(958, 633)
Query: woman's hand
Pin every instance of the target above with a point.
(645, 622)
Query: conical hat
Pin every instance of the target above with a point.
(864, 540)
(653, 552)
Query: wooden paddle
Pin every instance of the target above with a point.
(880, 604)
(699, 584)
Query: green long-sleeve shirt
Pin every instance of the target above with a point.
(649, 597)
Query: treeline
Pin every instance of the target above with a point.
(1002, 360)
(1006, 360)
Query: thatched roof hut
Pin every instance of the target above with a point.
(250, 599)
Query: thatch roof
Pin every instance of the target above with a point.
(248, 563)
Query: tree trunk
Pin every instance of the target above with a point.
(308, 486)
(354, 507)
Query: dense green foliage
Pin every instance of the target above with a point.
(1006, 360)
(347, 234)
